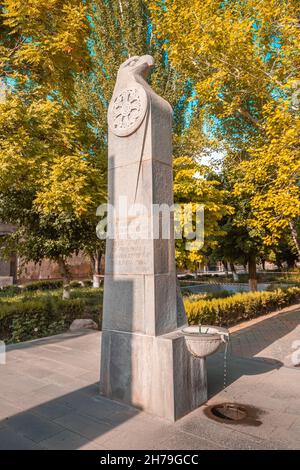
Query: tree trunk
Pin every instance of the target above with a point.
(66, 278)
(278, 264)
(295, 237)
(196, 270)
(225, 264)
(96, 264)
(291, 264)
(252, 272)
(14, 268)
(234, 273)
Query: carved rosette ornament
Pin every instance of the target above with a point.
(127, 110)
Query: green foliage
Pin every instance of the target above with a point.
(51, 175)
(243, 57)
(270, 176)
(43, 285)
(195, 184)
(239, 307)
(193, 296)
(43, 42)
(35, 319)
(265, 277)
(35, 314)
(120, 29)
(53, 129)
(75, 285)
(9, 291)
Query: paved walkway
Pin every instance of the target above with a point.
(49, 397)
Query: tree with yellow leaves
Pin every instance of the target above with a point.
(243, 58)
(195, 186)
(270, 177)
(51, 180)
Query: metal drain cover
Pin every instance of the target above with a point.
(229, 412)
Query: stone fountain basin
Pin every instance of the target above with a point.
(205, 342)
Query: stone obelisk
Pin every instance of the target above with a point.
(144, 359)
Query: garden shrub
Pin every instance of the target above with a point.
(239, 307)
(75, 284)
(48, 284)
(8, 291)
(186, 292)
(194, 296)
(21, 321)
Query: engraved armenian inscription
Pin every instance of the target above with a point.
(132, 255)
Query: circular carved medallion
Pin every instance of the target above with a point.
(127, 110)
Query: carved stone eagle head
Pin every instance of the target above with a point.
(136, 67)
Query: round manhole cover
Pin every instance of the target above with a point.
(229, 412)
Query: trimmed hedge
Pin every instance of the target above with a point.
(41, 317)
(52, 284)
(239, 307)
(43, 285)
(9, 291)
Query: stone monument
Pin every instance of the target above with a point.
(144, 359)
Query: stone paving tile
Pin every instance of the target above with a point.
(68, 383)
(33, 427)
(185, 441)
(278, 420)
(206, 428)
(13, 381)
(293, 407)
(52, 409)
(54, 365)
(263, 434)
(241, 441)
(14, 394)
(35, 371)
(272, 337)
(91, 445)
(95, 407)
(80, 360)
(20, 363)
(263, 401)
(91, 389)
(7, 410)
(124, 440)
(131, 428)
(90, 377)
(141, 421)
(10, 440)
(66, 440)
(84, 425)
(292, 439)
(111, 438)
(296, 426)
(30, 400)
(122, 416)
(232, 435)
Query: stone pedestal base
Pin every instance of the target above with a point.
(154, 373)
